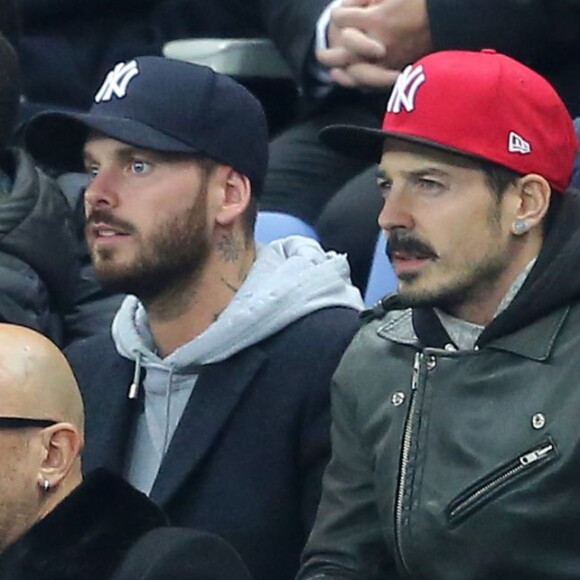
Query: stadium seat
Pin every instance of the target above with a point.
(272, 225)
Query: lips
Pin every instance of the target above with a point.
(102, 231)
(407, 256)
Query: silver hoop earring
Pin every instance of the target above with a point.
(520, 227)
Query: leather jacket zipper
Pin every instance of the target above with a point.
(406, 448)
(466, 502)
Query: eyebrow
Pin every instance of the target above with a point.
(414, 173)
(380, 173)
(425, 172)
(123, 153)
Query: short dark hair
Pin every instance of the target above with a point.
(497, 177)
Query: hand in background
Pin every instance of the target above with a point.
(369, 41)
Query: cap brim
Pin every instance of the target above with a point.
(56, 139)
(369, 144)
(361, 143)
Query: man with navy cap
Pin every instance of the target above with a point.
(455, 440)
(210, 392)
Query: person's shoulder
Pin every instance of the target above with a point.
(181, 553)
(333, 323)
(387, 319)
(98, 347)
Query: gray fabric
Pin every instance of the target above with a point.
(465, 334)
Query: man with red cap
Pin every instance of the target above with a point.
(455, 433)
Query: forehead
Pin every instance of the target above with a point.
(97, 145)
(403, 155)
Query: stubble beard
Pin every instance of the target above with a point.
(468, 285)
(172, 258)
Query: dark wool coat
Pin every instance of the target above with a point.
(105, 529)
(247, 457)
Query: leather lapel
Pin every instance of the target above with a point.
(215, 396)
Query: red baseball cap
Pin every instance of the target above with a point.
(481, 104)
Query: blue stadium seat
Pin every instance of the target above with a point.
(272, 225)
(382, 279)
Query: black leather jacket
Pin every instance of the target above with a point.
(460, 465)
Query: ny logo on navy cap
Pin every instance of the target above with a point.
(164, 105)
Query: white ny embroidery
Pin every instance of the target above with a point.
(405, 89)
(117, 81)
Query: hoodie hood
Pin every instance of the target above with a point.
(554, 281)
(290, 278)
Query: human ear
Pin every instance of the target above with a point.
(61, 445)
(533, 202)
(236, 197)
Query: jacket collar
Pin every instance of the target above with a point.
(86, 536)
(534, 341)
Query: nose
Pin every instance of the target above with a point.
(396, 212)
(102, 191)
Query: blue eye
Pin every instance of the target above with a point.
(139, 167)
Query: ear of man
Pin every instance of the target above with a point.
(235, 197)
(534, 194)
(61, 445)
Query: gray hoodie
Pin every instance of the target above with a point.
(289, 279)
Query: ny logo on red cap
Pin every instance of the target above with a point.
(405, 89)
(117, 81)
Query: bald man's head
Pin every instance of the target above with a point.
(36, 379)
(39, 460)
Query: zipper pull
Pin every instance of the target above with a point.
(536, 455)
(416, 368)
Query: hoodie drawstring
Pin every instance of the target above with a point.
(134, 386)
(167, 410)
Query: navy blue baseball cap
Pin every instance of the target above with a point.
(164, 105)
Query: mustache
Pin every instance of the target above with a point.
(105, 218)
(404, 241)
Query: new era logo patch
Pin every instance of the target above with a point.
(405, 89)
(117, 81)
(517, 144)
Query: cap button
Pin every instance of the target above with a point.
(489, 50)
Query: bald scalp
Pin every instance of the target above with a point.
(36, 379)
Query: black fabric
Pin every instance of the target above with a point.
(543, 290)
(38, 262)
(303, 175)
(508, 26)
(356, 236)
(181, 554)
(86, 536)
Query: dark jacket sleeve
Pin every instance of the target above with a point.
(346, 542)
(291, 24)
